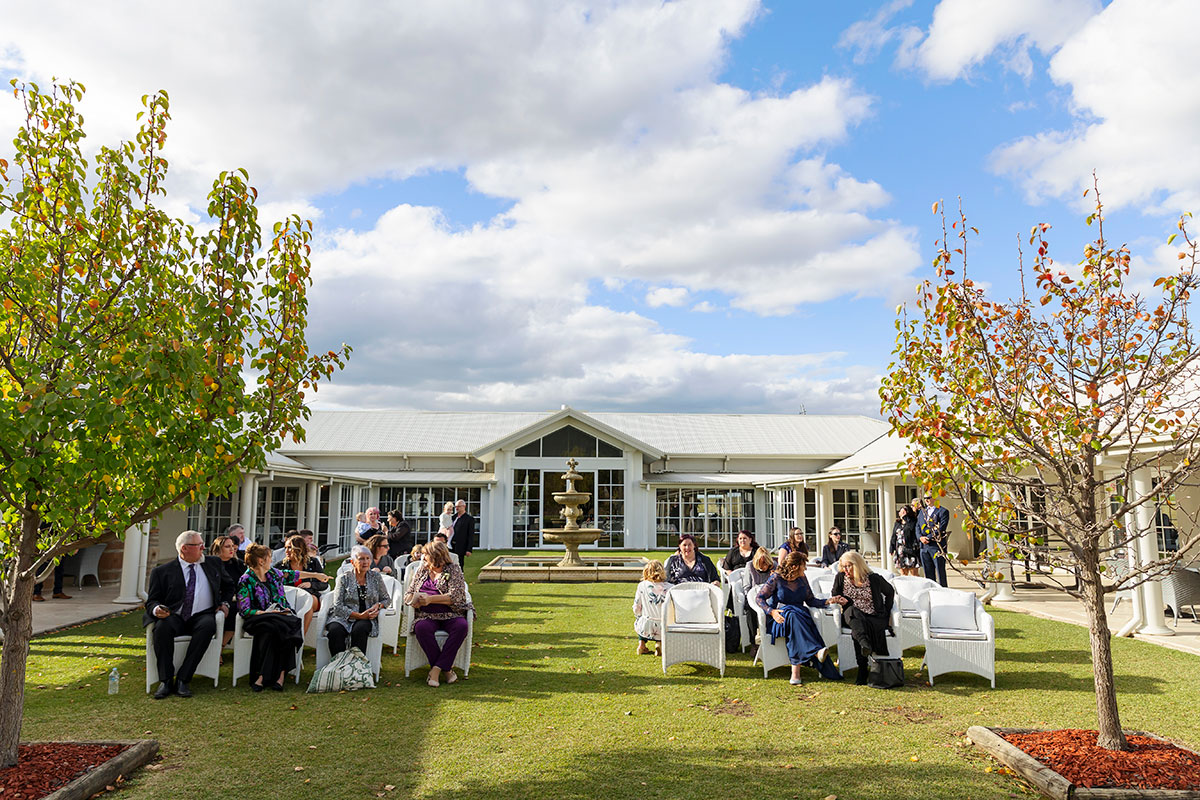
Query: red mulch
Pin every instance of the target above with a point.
(42, 768)
(1072, 753)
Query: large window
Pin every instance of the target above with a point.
(211, 518)
(713, 516)
(856, 512)
(534, 507)
(569, 442)
(346, 521)
(610, 507)
(278, 512)
(527, 508)
(808, 523)
(421, 506)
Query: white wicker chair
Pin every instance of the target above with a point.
(389, 624)
(772, 655)
(210, 662)
(694, 641)
(374, 652)
(737, 589)
(822, 587)
(1182, 588)
(909, 632)
(314, 630)
(968, 645)
(845, 640)
(414, 656)
(301, 602)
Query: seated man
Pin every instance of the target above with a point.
(182, 599)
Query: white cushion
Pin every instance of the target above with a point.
(956, 633)
(693, 606)
(695, 627)
(952, 609)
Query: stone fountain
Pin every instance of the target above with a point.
(571, 535)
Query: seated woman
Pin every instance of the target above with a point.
(648, 606)
(741, 553)
(834, 548)
(225, 548)
(380, 549)
(785, 595)
(688, 564)
(267, 616)
(296, 557)
(761, 567)
(866, 599)
(358, 597)
(438, 595)
(795, 544)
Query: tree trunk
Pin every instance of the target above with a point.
(1108, 719)
(17, 624)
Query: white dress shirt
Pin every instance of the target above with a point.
(203, 597)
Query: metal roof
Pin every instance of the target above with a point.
(881, 455)
(463, 432)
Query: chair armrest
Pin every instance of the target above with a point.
(985, 622)
(925, 624)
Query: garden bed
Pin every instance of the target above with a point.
(72, 770)
(1067, 764)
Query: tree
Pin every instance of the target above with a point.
(1040, 413)
(143, 362)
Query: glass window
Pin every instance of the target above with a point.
(712, 516)
(848, 512)
(346, 521)
(610, 507)
(569, 442)
(285, 512)
(212, 517)
(527, 513)
(323, 514)
(422, 506)
(606, 450)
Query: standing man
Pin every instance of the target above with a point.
(464, 531)
(182, 600)
(237, 532)
(933, 523)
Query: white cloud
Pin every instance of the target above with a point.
(666, 296)
(965, 32)
(1134, 76)
(705, 307)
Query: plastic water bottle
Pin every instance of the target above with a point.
(114, 681)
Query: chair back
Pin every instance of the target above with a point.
(822, 585)
(716, 598)
(908, 587)
(955, 611)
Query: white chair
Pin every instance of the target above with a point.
(1181, 588)
(374, 652)
(414, 656)
(737, 588)
(959, 635)
(772, 654)
(845, 639)
(693, 625)
(909, 632)
(827, 623)
(389, 623)
(310, 636)
(243, 643)
(85, 562)
(210, 662)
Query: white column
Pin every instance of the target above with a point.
(313, 507)
(135, 543)
(246, 509)
(334, 536)
(887, 512)
(1147, 547)
(640, 524)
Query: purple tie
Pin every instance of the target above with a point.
(190, 597)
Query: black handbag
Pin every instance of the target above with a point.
(884, 672)
(733, 633)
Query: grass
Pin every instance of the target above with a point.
(559, 706)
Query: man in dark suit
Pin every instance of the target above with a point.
(464, 532)
(933, 523)
(182, 600)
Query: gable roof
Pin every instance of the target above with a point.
(568, 413)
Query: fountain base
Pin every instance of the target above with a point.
(549, 569)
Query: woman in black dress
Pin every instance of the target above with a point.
(226, 548)
(742, 552)
(903, 545)
(688, 564)
(296, 557)
(866, 599)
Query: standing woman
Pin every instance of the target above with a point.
(866, 599)
(358, 597)
(296, 557)
(688, 564)
(785, 596)
(225, 548)
(438, 595)
(400, 536)
(267, 617)
(903, 545)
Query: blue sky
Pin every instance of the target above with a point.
(701, 205)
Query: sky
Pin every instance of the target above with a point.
(698, 205)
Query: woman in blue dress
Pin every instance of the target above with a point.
(786, 595)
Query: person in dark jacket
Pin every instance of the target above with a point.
(688, 564)
(834, 548)
(866, 599)
(400, 536)
(742, 552)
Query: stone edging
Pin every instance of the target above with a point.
(139, 753)
(1050, 782)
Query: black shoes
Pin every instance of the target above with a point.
(256, 687)
(164, 690)
(277, 687)
(182, 689)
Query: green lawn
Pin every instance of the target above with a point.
(558, 705)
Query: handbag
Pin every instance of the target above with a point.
(733, 633)
(884, 672)
(347, 671)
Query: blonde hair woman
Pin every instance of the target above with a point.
(648, 606)
(866, 599)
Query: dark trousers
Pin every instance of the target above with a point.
(360, 631)
(58, 582)
(276, 637)
(201, 627)
(869, 632)
(933, 561)
(426, 632)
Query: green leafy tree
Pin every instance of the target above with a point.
(143, 362)
(1039, 414)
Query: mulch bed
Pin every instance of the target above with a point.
(1072, 753)
(42, 768)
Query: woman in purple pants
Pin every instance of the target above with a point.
(438, 595)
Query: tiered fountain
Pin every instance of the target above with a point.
(571, 567)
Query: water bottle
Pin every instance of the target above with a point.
(114, 681)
